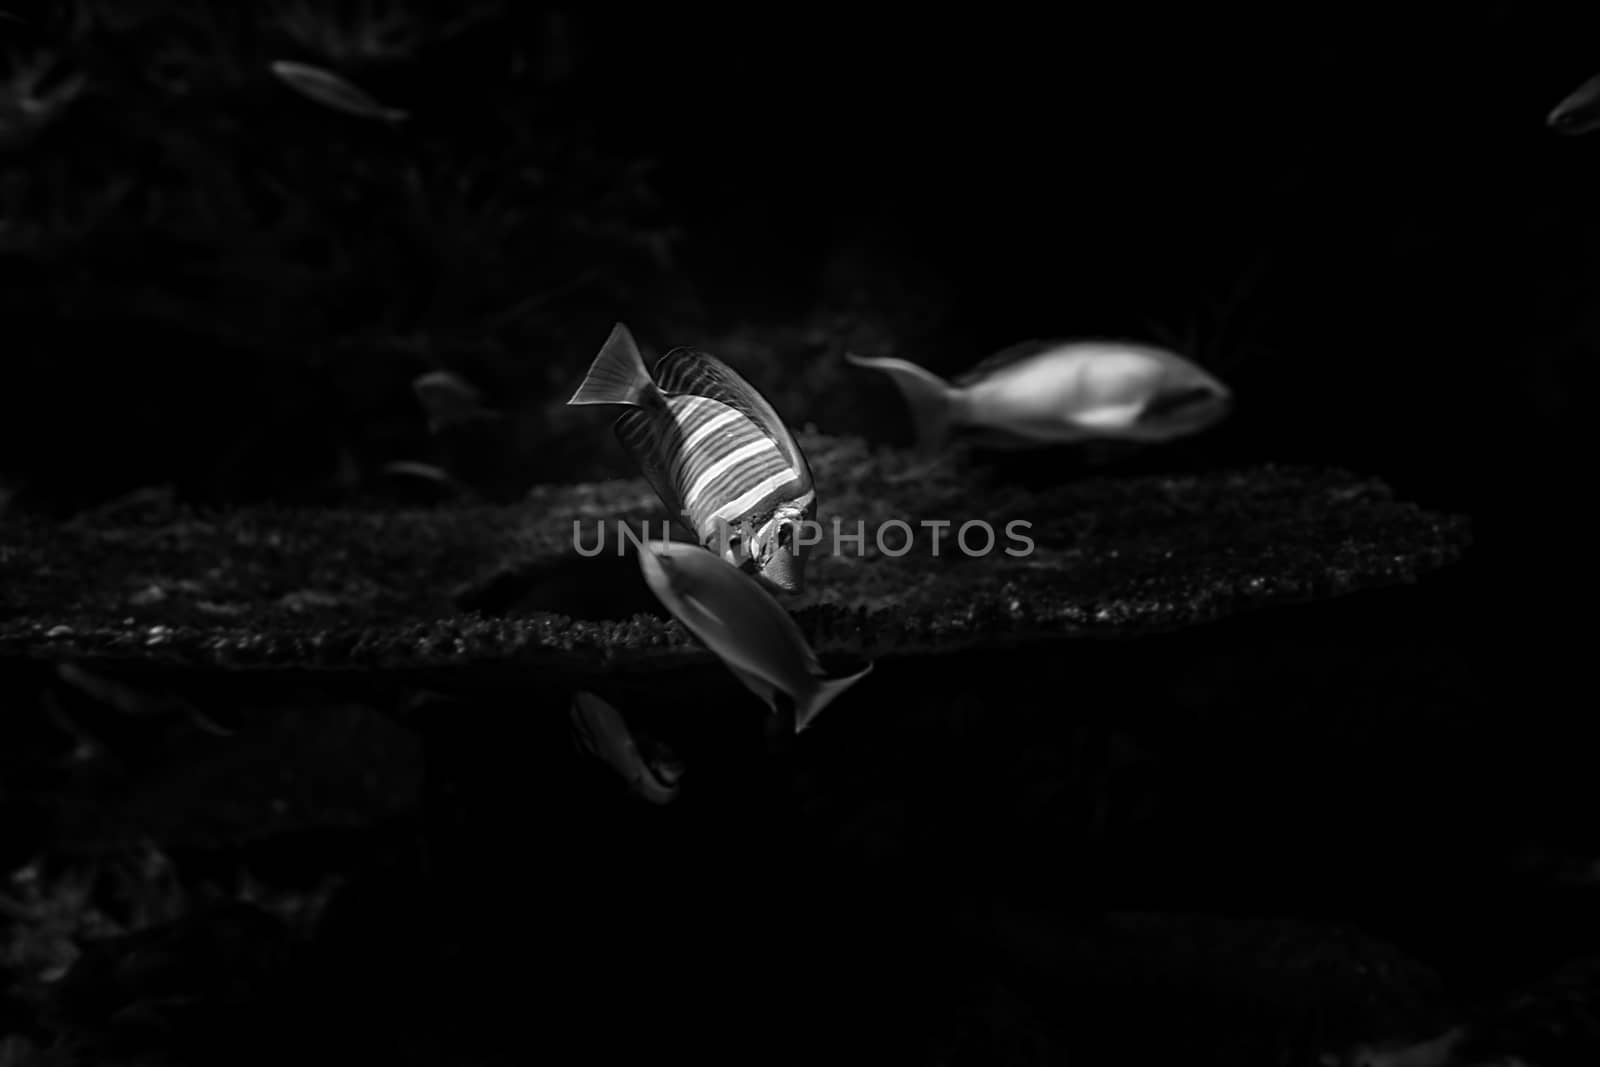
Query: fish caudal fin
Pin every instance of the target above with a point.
(930, 397)
(618, 374)
(827, 690)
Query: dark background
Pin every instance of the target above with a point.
(1419, 240)
(1416, 241)
(211, 283)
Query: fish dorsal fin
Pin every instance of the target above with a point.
(1004, 358)
(686, 370)
(646, 433)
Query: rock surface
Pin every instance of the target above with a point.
(456, 586)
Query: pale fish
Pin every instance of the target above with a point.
(1061, 392)
(600, 729)
(715, 452)
(448, 400)
(330, 90)
(1579, 112)
(422, 472)
(1440, 1051)
(745, 627)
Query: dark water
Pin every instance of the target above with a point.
(1280, 834)
(1380, 247)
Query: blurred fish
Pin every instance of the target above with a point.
(715, 452)
(132, 700)
(405, 468)
(600, 729)
(1579, 112)
(17, 911)
(449, 401)
(421, 482)
(330, 90)
(146, 501)
(748, 630)
(1440, 1051)
(1057, 392)
(35, 91)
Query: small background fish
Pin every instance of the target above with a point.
(333, 91)
(418, 482)
(1059, 392)
(1579, 111)
(649, 769)
(449, 400)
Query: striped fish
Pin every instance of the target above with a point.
(715, 452)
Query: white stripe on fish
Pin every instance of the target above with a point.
(742, 455)
(721, 421)
(741, 506)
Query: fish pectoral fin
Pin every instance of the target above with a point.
(704, 608)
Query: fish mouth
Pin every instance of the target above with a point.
(782, 573)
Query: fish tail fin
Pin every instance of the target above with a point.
(617, 375)
(930, 397)
(826, 691)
